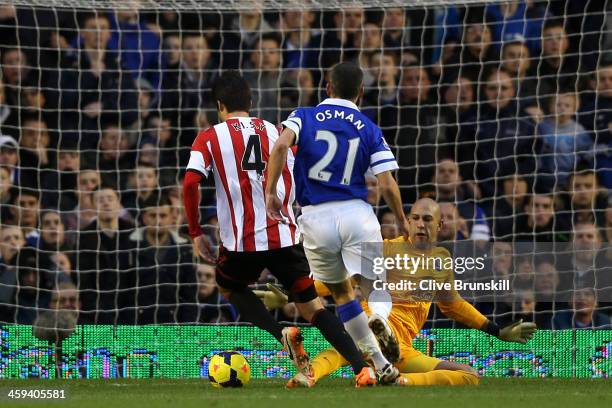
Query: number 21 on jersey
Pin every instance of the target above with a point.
(318, 172)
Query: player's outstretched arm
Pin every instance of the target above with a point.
(191, 198)
(463, 312)
(276, 162)
(391, 193)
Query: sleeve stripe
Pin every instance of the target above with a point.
(378, 163)
(196, 162)
(390, 165)
(378, 156)
(294, 126)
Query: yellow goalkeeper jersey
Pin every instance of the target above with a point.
(411, 307)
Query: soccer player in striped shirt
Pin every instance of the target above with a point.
(236, 151)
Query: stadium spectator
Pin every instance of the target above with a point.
(137, 46)
(501, 255)
(476, 56)
(35, 279)
(585, 201)
(163, 285)
(262, 72)
(65, 296)
(384, 70)
(34, 158)
(298, 89)
(212, 306)
(6, 187)
(596, 116)
(114, 160)
(84, 212)
(564, 144)
(498, 136)
(11, 242)
(388, 224)
(448, 186)
(504, 209)
(517, 17)
(245, 31)
(53, 233)
(147, 102)
(546, 278)
(94, 89)
(557, 69)
(516, 62)
(457, 105)
(371, 42)
(9, 158)
(584, 315)
(5, 109)
(454, 227)
(24, 212)
(172, 52)
(60, 186)
(188, 88)
(298, 49)
(396, 34)
(16, 71)
(583, 264)
(342, 42)
(103, 265)
(411, 125)
(143, 187)
(538, 222)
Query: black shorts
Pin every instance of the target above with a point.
(237, 270)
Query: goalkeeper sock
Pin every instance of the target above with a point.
(439, 377)
(356, 324)
(252, 310)
(332, 329)
(326, 363)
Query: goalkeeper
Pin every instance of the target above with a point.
(410, 309)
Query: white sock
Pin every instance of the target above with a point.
(365, 340)
(379, 303)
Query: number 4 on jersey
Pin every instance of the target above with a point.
(253, 148)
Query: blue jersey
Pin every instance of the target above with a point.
(336, 145)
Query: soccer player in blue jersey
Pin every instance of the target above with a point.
(336, 146)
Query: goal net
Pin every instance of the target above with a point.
(499, 111)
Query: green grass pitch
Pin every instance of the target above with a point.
(329, 393)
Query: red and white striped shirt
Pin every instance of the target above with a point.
(237, 151)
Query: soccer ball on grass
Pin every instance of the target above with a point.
(229, 369)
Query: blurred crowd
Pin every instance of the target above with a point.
(502, 113)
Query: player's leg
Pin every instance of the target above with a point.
(234, 272)
(323, 365)
(361, 242)
(290, 267)
(418, 369)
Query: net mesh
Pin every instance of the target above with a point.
(501, 111)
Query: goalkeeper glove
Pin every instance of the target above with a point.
(274, 298)
(517, 332)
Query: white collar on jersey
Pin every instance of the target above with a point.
(340, 102)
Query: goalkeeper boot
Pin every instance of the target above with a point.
(387, 341)
(365, 378)
(292, 343)
(388, 374)
(301, 381)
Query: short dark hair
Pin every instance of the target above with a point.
(271, 36)
(157, 199)
(346, 79)
(17, 191)
(233, 91)
(553, 22)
